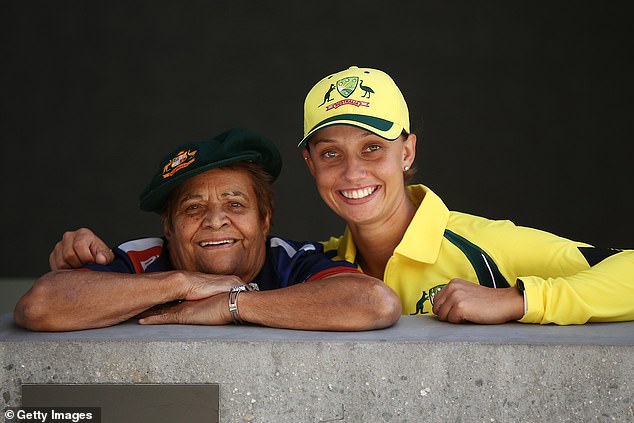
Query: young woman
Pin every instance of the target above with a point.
(358, 146)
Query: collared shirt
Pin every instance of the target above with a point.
(560, 284)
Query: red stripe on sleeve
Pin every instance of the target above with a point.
(332, 271)
(138, 257)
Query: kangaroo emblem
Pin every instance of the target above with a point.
(427, 295)
(327, 95)
(420, 304)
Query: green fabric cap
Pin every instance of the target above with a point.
(235, 145)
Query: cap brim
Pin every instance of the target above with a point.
(381, 127)
(155, 199)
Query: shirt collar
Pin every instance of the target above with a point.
(424, 234)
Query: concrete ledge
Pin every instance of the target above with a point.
(419, 370)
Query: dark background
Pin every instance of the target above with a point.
(527, 107)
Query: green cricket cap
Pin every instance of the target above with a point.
(194, 158)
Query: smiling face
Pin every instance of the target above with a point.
(359, 174)
(215, 224)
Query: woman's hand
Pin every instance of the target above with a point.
(463, 301)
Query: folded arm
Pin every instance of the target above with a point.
(342, 302)
(64, 300)
(564, 281)
(601, 293)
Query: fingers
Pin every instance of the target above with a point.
(55, 262)
(463, 301)
(202, 312)
(163, 314)
(103, 256)
(164, 318)
(448, 305)
(450, 313)
(447, 311)
(206, 286)
(70, 255)
(79, 248)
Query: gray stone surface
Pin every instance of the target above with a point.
(419, 370)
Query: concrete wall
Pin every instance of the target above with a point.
(11, 290)
(419, 370)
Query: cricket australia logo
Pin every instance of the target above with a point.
(427, 296)
(182, 159)
(346, 86)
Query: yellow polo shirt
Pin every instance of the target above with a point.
(559, 283)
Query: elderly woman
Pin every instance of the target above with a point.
(216, 263)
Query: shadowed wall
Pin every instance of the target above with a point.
(527, 108)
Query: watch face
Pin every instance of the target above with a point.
(520, 285)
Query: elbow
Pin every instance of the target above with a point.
(32, 313)
(387, 306)
(394, 308)
(29, 315)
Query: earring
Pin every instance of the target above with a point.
(406, 168)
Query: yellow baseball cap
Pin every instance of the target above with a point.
(362, 97)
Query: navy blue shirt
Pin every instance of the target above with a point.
(287, 262)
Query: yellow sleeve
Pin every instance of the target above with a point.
(560, 286)
(602, 293)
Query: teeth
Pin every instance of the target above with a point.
(358, 193)
(208, 243)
